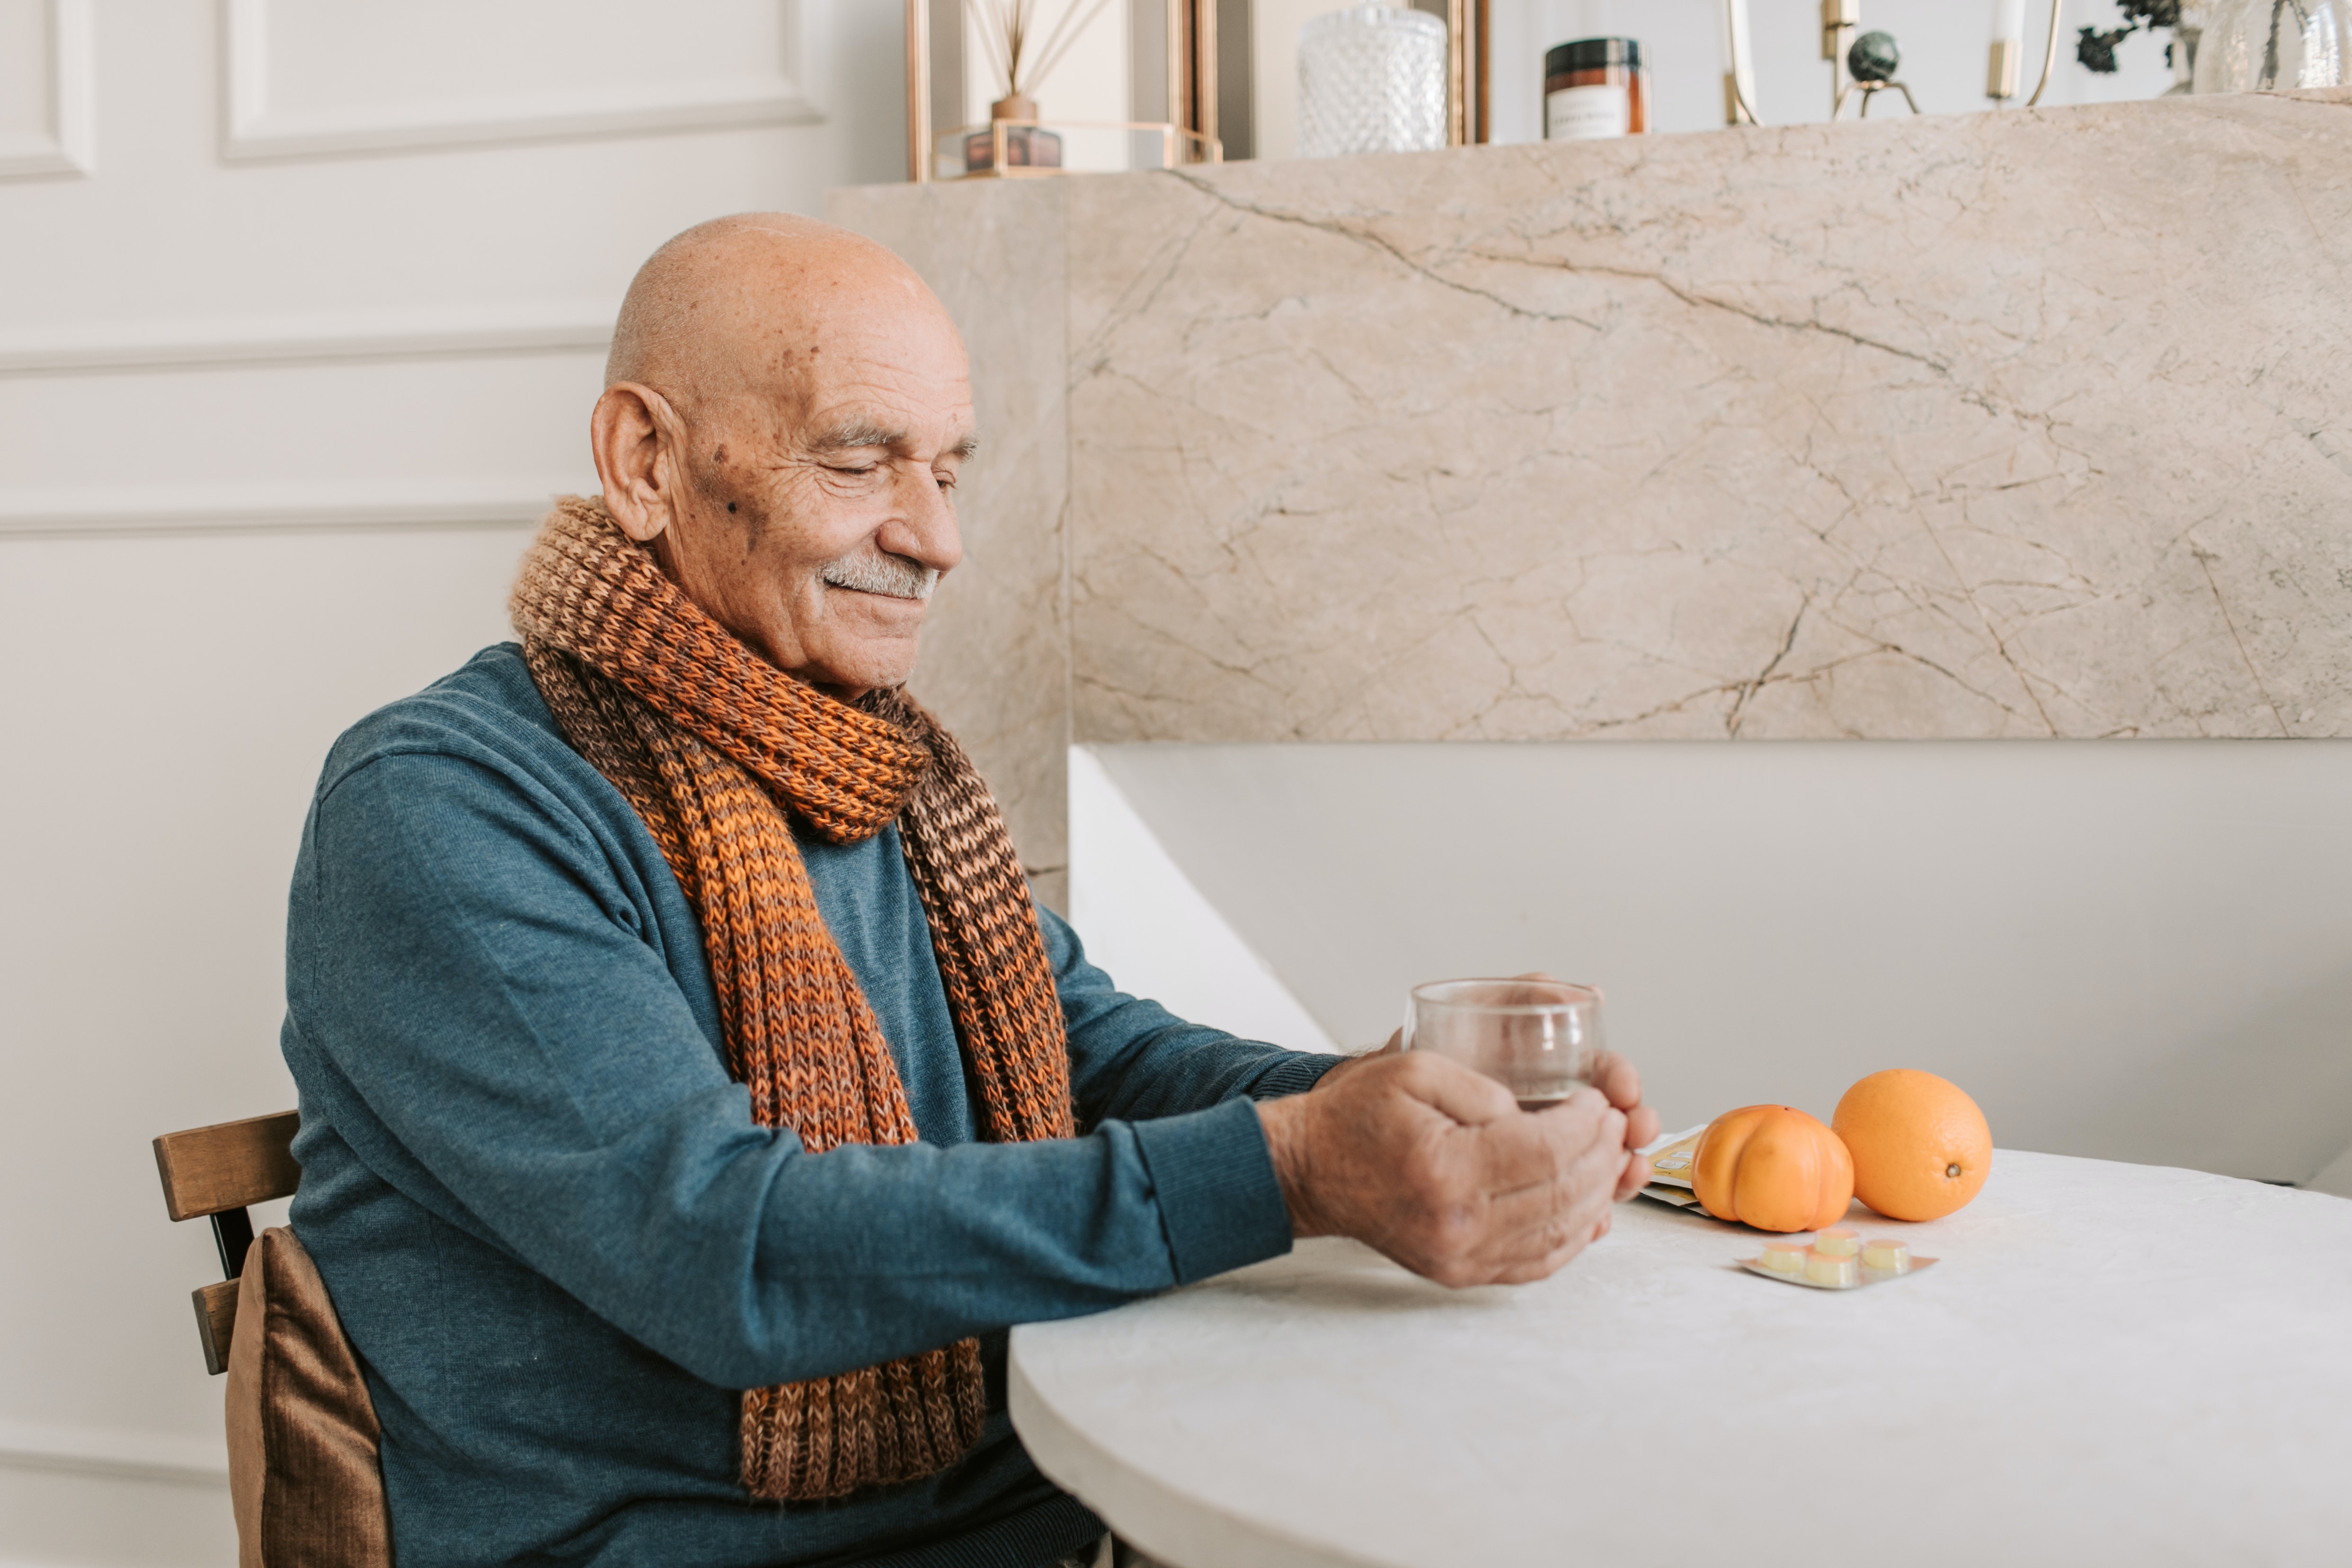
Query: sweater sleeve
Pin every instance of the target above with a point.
(501, 1041)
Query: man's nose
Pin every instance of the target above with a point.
(923, 529)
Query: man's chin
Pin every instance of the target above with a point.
(863, 640)
(874, 614)
(850, 668)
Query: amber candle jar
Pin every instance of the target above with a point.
(1595, 87)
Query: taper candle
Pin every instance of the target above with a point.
(1738, 64)
(2004, 63)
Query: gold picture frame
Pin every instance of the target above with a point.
(1186, 45)
(1186, 54)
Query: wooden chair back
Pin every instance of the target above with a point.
(217, 1173)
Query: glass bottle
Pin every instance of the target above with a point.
(1371, 78)
(2270, 46)
(1595, 87)
(1027, 145)
(2180, 53)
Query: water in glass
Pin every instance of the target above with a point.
(1538, 1038)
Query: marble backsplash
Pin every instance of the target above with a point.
(2007, 424)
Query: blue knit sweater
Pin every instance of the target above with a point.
(559, 1243)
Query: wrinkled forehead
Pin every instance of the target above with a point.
(806, 340)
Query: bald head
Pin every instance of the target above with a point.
(786, 408)
(718, 302)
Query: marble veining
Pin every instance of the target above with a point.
(2033, 423)
(995, 661)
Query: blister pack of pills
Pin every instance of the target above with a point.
(1836, 1260)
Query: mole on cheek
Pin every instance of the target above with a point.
(719, 456)
(731, 506)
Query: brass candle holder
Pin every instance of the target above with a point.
(1841, 20)
(1015, 143)
(2005, 64)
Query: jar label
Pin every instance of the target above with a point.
(1585, 113)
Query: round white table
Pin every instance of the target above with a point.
(2110, 1363)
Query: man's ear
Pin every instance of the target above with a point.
(636, 438)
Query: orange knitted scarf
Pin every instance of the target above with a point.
(715, 746)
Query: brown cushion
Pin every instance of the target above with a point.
(302, 1435)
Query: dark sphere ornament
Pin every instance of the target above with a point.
(1873, 58)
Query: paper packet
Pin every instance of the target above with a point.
(1670, 1168)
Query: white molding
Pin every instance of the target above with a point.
(71, 146)
(254, 130)
(128, 1455)
(224, 510)
(571, 329)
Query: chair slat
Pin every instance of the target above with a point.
(208, 1169)
(216, 1322)
(232, 1231)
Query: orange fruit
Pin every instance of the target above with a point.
(1771, 1167)
(1921, 1148)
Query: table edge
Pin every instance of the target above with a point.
(1173, 1526)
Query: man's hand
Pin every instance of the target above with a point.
(1615, 1078)
(1436, 1167)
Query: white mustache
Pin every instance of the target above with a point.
(885, 574)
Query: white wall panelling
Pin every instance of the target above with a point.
(208, 344)
(131, 1456)
(395, 442)
(47, 125)
(53, 1517)
(267, 510)
(273, 432)
(312, 76)
(170, 702)
(451, 445)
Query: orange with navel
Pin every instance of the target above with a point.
(1921, 1148)
(1771, 1167)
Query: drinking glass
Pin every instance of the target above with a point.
(1538, 1038)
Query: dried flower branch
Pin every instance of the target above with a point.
(1008, 32)
(2096, 50)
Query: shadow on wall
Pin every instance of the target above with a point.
(1146, 925)
(2131, 950)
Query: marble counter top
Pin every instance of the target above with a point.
(2109, 1364)
(2017, 425)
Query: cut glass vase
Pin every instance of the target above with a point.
(1371, 78)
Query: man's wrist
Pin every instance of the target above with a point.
(1341, 1068)
(1354, 1059)
(1287, 1145)
(1220, 1203)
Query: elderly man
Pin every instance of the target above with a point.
(692, 1095)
